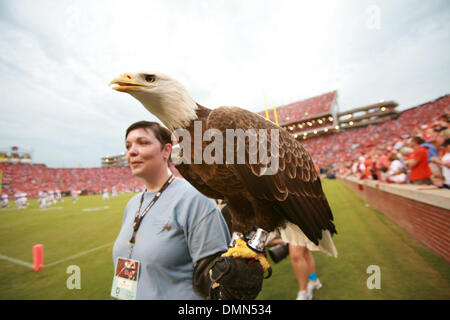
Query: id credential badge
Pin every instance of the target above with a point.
(126, 275)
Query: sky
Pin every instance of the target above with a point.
(57, 58)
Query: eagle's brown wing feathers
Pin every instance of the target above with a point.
(294, 192)
(189, 173)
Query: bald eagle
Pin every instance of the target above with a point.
(290, 201)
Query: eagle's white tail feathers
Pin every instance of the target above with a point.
(293, 234)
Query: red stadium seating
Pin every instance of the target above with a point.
(333, 150)
(32, 178)
(303, 110)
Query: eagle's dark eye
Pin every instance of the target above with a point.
(150, 77)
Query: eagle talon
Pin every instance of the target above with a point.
(241, 250)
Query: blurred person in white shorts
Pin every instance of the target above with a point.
(303, 264)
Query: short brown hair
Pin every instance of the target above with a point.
(163, 135)
(418, 140)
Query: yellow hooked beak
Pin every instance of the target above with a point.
(126, 83)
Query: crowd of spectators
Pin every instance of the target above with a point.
(414, 148)
(33, 178)
(303, 110)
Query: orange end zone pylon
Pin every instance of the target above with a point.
(38, 257)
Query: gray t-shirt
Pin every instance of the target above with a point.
(181, 228)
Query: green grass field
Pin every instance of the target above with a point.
(366, 237)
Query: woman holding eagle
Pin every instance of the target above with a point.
(289, 199)
(167, 229)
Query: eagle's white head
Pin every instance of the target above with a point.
(163, 96)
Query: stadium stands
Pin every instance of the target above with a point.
(372, 114)
(32, 178)
(14, 155)
(338, 149)
(303, 110)
(335, 151)
(306, 115)
(119, 160)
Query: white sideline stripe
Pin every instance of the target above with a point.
(78, 255)
(50, 208)
(95, 209)
(29, 265)
(16, 261)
